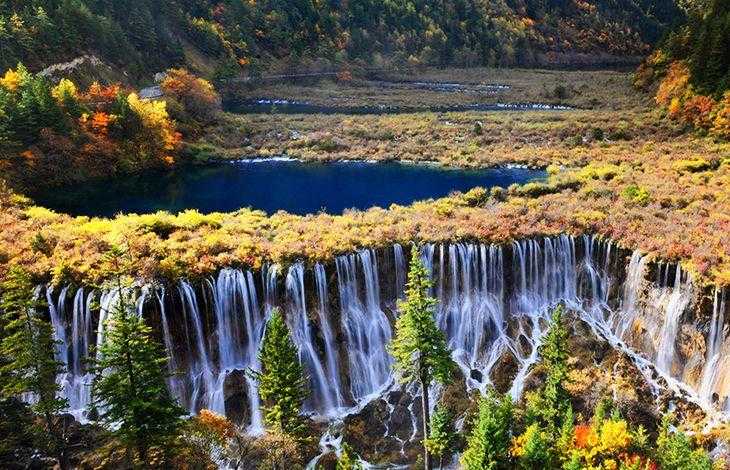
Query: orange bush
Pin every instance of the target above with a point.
(675, 85)
(197, 96)
(100, 122)
(98, 96)
(698, 111)
(582, 433)
(219, 425)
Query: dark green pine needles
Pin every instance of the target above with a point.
(419, 346)
(282, 383)
(27, 360)
(129, 391)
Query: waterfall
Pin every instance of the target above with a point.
(240, 325)
(269, 276)
(323, 397)
(58, 323)
(206, 389)
(400, 270)
(676, 301)
(493, 304)
(471, 311)
(715, 361)
(330, 346)
(625, 315)
(367, 329)
(174, 382)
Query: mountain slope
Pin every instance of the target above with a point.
(692, 69)
(146, 35)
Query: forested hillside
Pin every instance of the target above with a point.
(231, 36)
(692, 67)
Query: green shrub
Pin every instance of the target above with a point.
(476, 197)
(637, 194)
(675, 451)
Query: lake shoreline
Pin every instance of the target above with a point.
(277, 184)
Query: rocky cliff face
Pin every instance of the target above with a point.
(661, 335)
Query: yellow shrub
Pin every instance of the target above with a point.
(153, 115)
(520, 442)
(615, 436)
(692, 166)
(64, 90)
(721, 123)
(40, 213)
(11, 80)
(589, 217)
(598, 171)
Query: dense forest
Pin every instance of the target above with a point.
(55, 133)
(227, 36)
(692, 67)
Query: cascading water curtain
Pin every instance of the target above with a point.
(493, 301)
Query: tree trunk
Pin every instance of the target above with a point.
(142, 452)
(426, 421)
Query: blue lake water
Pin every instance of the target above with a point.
(272, 185)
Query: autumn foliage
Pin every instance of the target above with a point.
(197, 97)
(60, 133)
(682, 102)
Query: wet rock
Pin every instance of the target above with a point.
(383, 432)
(327, 462)
(236, 397)
(504, 372)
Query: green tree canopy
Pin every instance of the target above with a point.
(27, 359)
(282, 384)
(129, 391)
(419, 346)
(489, 441)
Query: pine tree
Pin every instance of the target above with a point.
(550, 405)
(419, 347)
(675, 451)
(489, 442)
(443, 434)
(27, 359)
(129, 390)
(347, 461)
(282, 384)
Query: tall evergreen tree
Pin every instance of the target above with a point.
(282, 384)
(489, 442)
(441, 440)
(129, 389)
(419, 346)
(549, 406)
(27, 360)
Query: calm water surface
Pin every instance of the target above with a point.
(296, 187)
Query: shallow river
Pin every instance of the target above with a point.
(271, 185)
